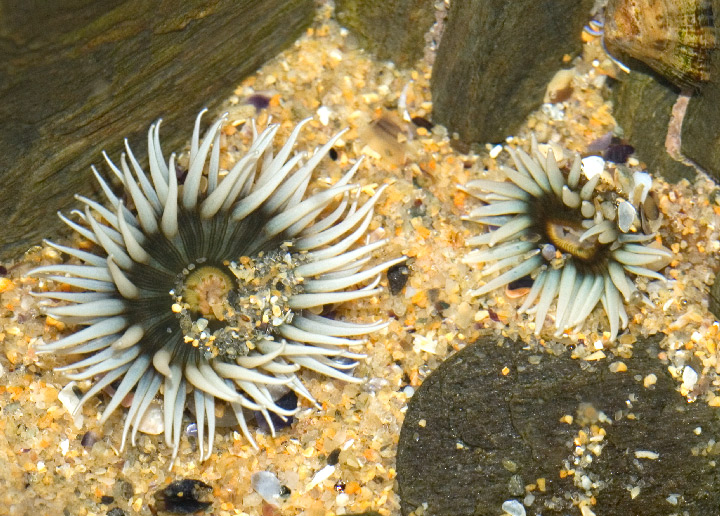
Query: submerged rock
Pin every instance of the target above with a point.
(499, 423)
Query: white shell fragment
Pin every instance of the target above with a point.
(267, 485)
(641, 186)
(153, 422)
(626, 216)
(320, 476)
(592, 166)
(70, 401)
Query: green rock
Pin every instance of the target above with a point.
(495, 60)
(493, 417)
(390, 29)
(77, 76)
(642, 107)
(701, 127)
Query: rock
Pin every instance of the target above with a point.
(643, 107)
(700, 135)
(78, 77)
(475, 432)
(495, 60)
(183, 497)
(390, 29)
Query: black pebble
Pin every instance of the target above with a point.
(182, 497)
(397, 276)
(106, 500)
(422, 122)
(333, 154)
(334, 456)
(116, 511)
(524, 282)
(88, 439)
(618, 151)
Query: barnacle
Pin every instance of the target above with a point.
(212, 289)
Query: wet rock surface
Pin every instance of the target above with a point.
(700, 134)
(642, 107)
(496, 423)
(390, 29)
(78, 77)
(495, 60)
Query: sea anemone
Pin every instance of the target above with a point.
(214, 289)
(575, 237)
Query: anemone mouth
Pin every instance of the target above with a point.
(212, 291)
(204, 290)
(560, 227)
(578, 240)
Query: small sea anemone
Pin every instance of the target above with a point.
(574, 236)
(214, 289)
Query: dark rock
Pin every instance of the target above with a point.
(700, 134)
(642, 107)
(183, 497)
(495, 60)
(117, 511)
(397, 276)
(334, 457)
(476, 434)
(618, 151)
(88, 439)
(76, 77)
(390, 29)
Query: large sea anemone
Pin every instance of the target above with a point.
(213, 289)
(579, 239)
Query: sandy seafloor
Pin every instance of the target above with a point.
(46, 470)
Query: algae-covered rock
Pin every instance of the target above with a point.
(391, 29)
(495, 59)
(76, 77)
(496, 422)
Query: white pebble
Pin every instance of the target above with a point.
(153, 421)
(689, 378)
(592, 166)
(513, 508)
(70, 401)
(495, 151)
(342, 499)
(323, 114)
(267, 485)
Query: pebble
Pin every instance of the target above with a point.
(626, 216)
(592, 166)
(560, 87)
(689, 378)
(70, 401)
(397, 276)
(267, 485)
(153, 422)
(513, 508)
